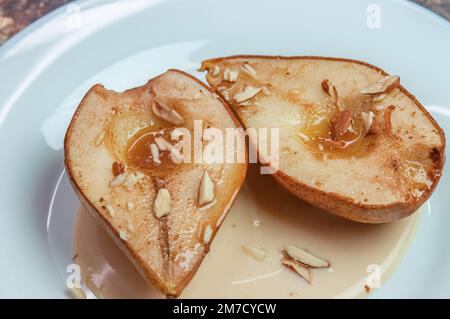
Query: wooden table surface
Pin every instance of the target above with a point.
(17, 14)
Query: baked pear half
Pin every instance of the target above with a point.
(124, 160)
(353, 141)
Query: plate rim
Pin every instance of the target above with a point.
(9, 44)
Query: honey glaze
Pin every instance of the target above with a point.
(318, 119)
(322, 123)
(266, 215)
(139, 150)
(141, 139)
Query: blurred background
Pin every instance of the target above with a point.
(17, 14)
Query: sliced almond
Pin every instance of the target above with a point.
(123, 235)
(332, 91)
(110, 210)
(255, 252)
(300, 270)
(215, 71)
(130, 181)
(155, 153)
(378, 97)
(367, 118)
(340, 123)
(99, 139)
(326, 86)
(248, 93)
(305, 257)
(162, 203)
(247, 68)
(163, 144)
(383, 85)
(167, 113)
(225, 93)
(118, 180)
(207, 234)
(230, 75)
(206, 190)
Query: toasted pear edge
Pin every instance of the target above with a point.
(134, 258)
(334, 202)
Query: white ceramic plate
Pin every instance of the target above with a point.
(46, 69)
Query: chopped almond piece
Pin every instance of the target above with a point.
(118, 168)
(206, 190)
(340, 123)
(367, 118)
(249, 69)
(207, 234)
(378, 97)
(155, 153)
(305, 257)
(215, 71)
(248, 93)
(230, 75)
(162, 203)
(167, 113)
(123, 235)
(131, 180)
(385, 84)
(300, 270)
(255, 252)
(119, 179)
(110, 210)
(326, 86)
